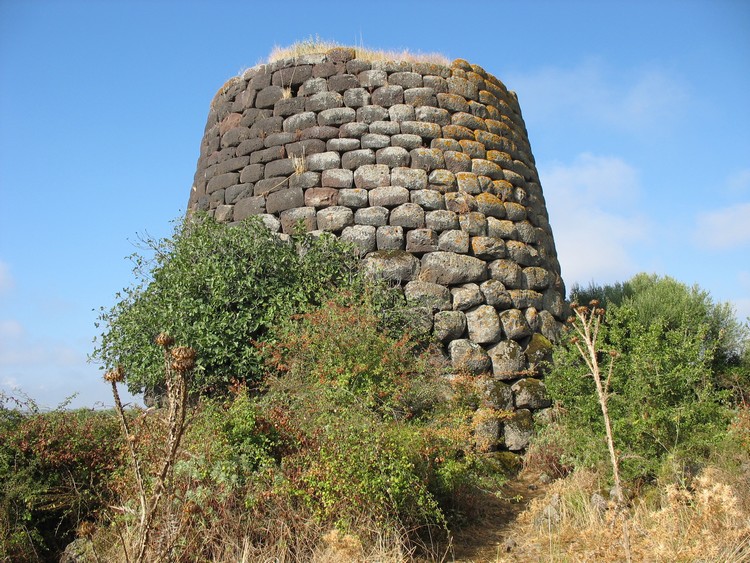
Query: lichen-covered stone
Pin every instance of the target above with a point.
(466, 296)
(406, 140)
(514, 324)
(375, 141)
(372, 176)
(429, 200)
(393, 265)
(442, 180)
(441, 220)
(425, 294)
(421, 240)
(334, 218)
(321, 197)
(389, 196)
(507, 359)
(495, 294)
(487, 248)
(495, 394)
(362, 237)
(469, 356)
(409, 178)
(390, 237)
(375, 216)
(427, 159)
(483, 324)
(449, 268)
(386, 96)
(458, 162)
(392, 156)
(298, 216)
(531, 393)
(449, 325)
(460, 203)
(518, 429)
(407, 215)
(524, 298)
(355, 198)
(454, 240)
(337, 178)
(507, 272)
(473, 223)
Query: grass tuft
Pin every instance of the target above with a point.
(316, 45)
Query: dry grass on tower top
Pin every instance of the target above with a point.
(316, 45)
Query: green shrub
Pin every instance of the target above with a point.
(216, 288)
(345, 346)
(666, 400)
(56, 470)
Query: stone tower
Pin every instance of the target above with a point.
(428, 171)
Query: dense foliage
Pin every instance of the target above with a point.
(216, 288)
(671, 346)
(356, 430)
(56, 469)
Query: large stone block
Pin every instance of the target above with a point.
(393, 265)
(449, 268)
(469, 356)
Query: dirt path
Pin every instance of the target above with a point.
(486, 541)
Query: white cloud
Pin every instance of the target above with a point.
(10, 329)
(643, 99)
(739, 182)
(724, 229)
(48, 371)
(590, 203)
(6, 279)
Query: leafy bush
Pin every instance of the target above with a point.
(216, 288)
(670, 341)
(666, 402)
(56, 470)
(344, 346)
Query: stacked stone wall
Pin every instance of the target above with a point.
(428, 171)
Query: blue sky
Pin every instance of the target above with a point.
(637, 113)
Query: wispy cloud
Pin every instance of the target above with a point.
(724, 229)
(739, 182)
(592, 203)
(641, 99)
(6, 279)
(47, 370)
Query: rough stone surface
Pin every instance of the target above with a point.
(531, 394)
(449, 268)
(469, 356)
(507, 359)
(427, 170)
(449, 325)
(392, 265)
(483, 324)
(424, 294)
(335, 218)
(518, 430)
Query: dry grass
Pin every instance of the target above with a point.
(316, 46)
(706, 521)
(299, 162)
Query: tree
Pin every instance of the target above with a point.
(666, 397)
(216, 288)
